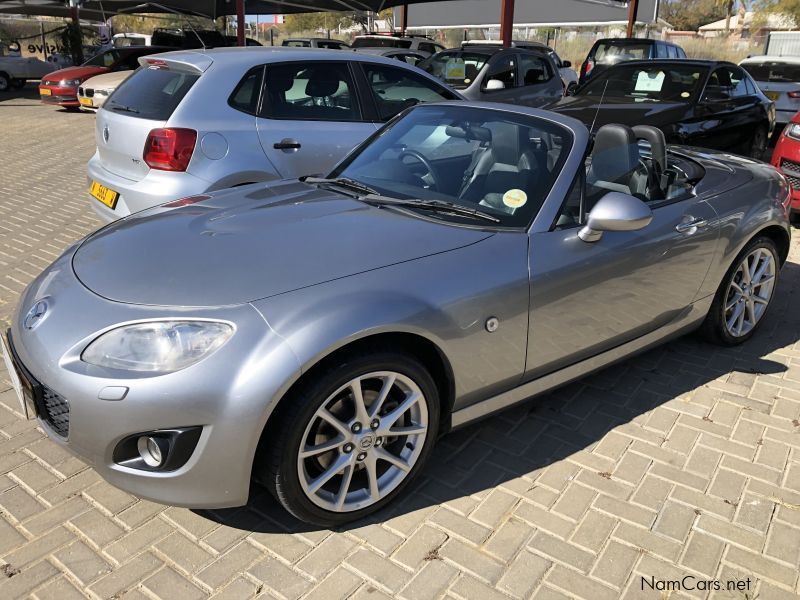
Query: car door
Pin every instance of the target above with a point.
(747, 106)
(310, 116)
(393, 89)
(502, 68)
(539, 83)
(715, 118)
(589, 297)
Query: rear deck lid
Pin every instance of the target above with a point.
(143, 102)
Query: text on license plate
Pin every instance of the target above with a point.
(85, 101)
(773, 95)
(45, 92)
(105, 195)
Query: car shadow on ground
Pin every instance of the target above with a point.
(516, 444)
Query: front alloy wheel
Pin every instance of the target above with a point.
(363, 441)
(350, 436)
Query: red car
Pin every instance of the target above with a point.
(61, 87)
(786, 158)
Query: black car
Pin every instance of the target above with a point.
(712, 104)
(606, 53)
(188, 39)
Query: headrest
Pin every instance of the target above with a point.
(480, 134)
(658, 143)
(534, 75)
(615, 153)
(506, 143)
(281, 79)
(322, 84)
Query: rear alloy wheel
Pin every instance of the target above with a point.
(745, 294)
(352, 440)
(759, 146)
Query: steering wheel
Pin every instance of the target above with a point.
(425, 163)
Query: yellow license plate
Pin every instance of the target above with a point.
(105, 195)
(772, 95)
(46, 92)
(85, 101)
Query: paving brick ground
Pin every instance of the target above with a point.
(682, 462)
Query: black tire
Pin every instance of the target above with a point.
(571, 88)
(5, 82)
(18, 84)
(277, 464)
(714, 327)
(759, 144)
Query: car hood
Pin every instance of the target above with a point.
(626, 111)
(251, 243)
(75, 73)
(107, 80)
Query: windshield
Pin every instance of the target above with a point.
(456, 68)
(501, 163)
(655, 83)
(610, 53)
(380, 42)
(774, 72)
(104, 59)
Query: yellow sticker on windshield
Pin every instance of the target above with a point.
(685, 94)
(515, 198)
(455, 69)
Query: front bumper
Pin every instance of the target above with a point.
(59, 96)
(229, 395)
(155, 188)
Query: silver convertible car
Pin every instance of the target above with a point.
(320, 334)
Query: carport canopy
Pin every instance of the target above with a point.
(102, 9)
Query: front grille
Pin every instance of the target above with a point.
(88, 92)
(56, 411)
(81, 92)
(792, 167)
(794, 182)
(790, 164)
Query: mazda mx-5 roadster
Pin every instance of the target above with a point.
(318, 335)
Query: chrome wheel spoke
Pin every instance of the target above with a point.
(344, 487)
(764, 280)
(331, 419)
(738, 311)
(751, 313)
(408, 430)
(760, 300)
(323, 447)
(391, 458)
(371, 466)
(391, 418)
(338, 465)
(388, 383)
(737, 288)
(752, 268)
(362, 415)
(733, 302)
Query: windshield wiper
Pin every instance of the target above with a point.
(432, 205)
(344, 182)
(123, 108)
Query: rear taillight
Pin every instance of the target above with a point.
(169, 149)
(794, 95)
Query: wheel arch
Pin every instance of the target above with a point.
(413, 344)
(780, 236)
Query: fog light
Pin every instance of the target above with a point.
(152, 450)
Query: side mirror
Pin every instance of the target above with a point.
(494, 85)
(566, 64)
(615, 212)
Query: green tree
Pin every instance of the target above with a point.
(689, 16)
(317, 20)
(789, 9)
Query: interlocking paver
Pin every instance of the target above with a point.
(685, 460)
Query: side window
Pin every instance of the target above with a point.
(329, 45)
(504, 69)
(395, 89)
(751, 86)
(129, 63)
(534, 69)
(245, 95)
(673, 51)
(738, 82)
(571, 214)
(681, 53)
(321, 91)
(297, 44)
(557, 60)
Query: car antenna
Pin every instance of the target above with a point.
(174, 12)
(597, 112)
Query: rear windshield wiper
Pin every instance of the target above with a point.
(123, 108)
(344, 182)
(432, 205)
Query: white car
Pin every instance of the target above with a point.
(779, 79)
(93, 92)
(16, 70)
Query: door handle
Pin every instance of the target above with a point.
(690, 225)
(287, 144)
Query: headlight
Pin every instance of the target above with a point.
(157, 347)
(70, 82)
(792, 130)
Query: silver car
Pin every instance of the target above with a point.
(194, 121)
(779, 78)
(319, 335)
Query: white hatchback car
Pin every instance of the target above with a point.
(194, 121)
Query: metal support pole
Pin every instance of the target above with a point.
(507, 22)
(633, 8)
(44, 39)
(240, 22)
(271, 36)
(403, 19)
